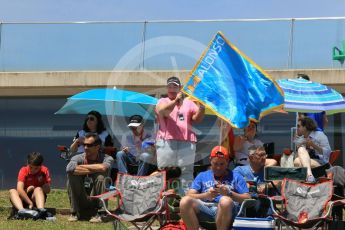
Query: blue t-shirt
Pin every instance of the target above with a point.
(205, 180)
(249, 175)
(318, 118)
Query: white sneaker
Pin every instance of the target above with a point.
(72, 218)
(311, 179)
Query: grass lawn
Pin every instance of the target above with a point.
(56, 199)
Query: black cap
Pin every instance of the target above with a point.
(135, 121)
(174, 80)
(304, 76)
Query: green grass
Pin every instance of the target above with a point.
(56, 199)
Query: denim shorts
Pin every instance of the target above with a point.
(208, 211)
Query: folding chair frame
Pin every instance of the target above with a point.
(158, 214)
(324, 220)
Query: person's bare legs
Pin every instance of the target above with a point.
(188, 207)
(15, 199)
(303, 159)
(314, 163)
(38, 197)
(270, 162)
(224, 213)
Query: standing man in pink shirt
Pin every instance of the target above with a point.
(176, 141)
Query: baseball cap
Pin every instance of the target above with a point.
(173, 80)
(220, 151)
(135, 121)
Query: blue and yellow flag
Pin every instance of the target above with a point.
(231, 85)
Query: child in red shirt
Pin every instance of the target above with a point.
(33, 184)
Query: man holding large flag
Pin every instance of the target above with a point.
(231, 85)
(176, 141)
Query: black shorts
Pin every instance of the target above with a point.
(25, 205)
(312, 154)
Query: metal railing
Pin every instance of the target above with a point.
(287, 43)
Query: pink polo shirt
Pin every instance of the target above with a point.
(178, 125)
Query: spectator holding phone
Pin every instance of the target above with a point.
(215, 194)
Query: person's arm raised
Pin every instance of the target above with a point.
(164, 109)
(238, 142)
(200, 114)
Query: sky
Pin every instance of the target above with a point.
(140, 10)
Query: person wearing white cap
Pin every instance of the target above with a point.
(176, 141)
(131, 152)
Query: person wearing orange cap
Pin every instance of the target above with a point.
(215, 194)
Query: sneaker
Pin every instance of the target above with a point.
(72, 218)
(28, 214)
(96, 219)
(310, 179)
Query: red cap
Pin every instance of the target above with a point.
(220, 151)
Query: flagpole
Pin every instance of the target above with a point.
(221, 132)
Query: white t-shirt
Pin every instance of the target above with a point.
(242, 154)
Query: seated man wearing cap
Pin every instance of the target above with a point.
(132, 143)
(176, 141)
(215, 194)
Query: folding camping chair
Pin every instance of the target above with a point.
(276, 173)
(141, 199)
(305, 205)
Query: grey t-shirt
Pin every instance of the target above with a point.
(81, 160)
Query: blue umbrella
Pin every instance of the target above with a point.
(110, 102)
(307, 96)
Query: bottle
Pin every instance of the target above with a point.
(51, 218)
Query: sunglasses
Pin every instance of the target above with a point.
(91, 118)
(259, 155)
(90, 145)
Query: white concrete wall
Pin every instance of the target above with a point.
(153, 82)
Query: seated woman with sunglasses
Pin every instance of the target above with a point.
(94, 124)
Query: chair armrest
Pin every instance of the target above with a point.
(107, 195)
(338, 202)
(336, 49)
(332, 204)
(169, 194)
(277, 198)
